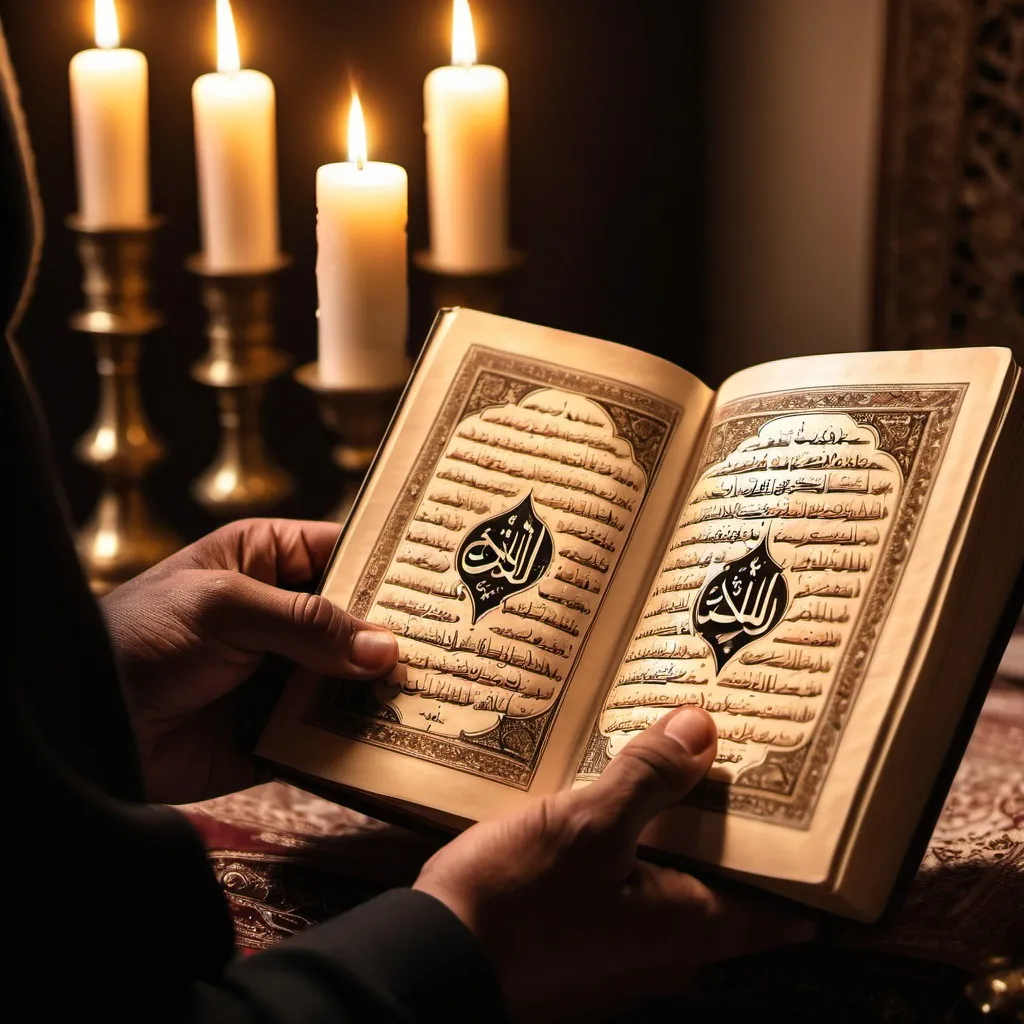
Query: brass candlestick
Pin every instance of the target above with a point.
(241, 360)
(120, 539)
(360, 418)
(487, 291)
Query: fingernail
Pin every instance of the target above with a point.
(691, 729)
(372, 649)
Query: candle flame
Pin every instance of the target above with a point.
(357, 153)
(227, 39)
(107, 33)
(463, 39)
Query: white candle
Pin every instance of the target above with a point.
(466, 125)
(109, 120)
(362, 211)
(236, 160)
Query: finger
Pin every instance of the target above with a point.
(269, 550)
(653, 771)
(303, 548)
(748, 925)
(717, 925)
(306, 628)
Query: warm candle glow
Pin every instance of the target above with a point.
(108, 36)
(463, 39)
(362, 208)
(357, 153)
(109, 86)
(227, 40)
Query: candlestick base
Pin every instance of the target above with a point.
(241, 361)
(487, 290)
(360, 418)
(121, 538)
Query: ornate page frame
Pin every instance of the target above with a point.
(914, 424)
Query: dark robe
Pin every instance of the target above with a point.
(112, 911)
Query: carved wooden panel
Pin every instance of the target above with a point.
(950, 259)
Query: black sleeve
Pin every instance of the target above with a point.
(124, 890)
(401, 957)
(112, 911)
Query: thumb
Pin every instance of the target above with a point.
(306, 628)
(654, 770)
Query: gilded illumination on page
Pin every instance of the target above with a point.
(779, 572)
(496, 560)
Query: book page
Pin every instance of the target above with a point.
(778, 583)
(762, 588)
(495, 579)
(491, 541)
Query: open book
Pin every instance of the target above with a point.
(570, 537)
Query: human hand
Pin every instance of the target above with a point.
(192, 629)
(573, 923)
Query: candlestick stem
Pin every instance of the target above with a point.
(489, 291)
(121, 537)
(360, 418)
(241, 361)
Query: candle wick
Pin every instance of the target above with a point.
(360, 163)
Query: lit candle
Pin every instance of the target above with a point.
(109, 120)
(466, 125)
(362, 210)
(236, 160)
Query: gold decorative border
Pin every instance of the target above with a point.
(913, 426)
(510, 752)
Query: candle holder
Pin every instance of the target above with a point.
(241, 361)
(487, 290)
(120, 538)
(360, 418)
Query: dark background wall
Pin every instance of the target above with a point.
(606, 188)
